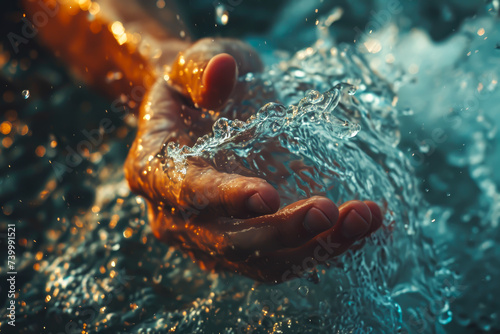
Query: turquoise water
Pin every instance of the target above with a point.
(412, 126)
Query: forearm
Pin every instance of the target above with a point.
(112, 45)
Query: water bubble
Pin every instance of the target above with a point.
(26, 94)
(271, 109)
(445, 318)
(238, 125)
(303, 290)
(172, 146)
(313, 96)
(280, 110)
(202, 140)
(275, 127)
(352, 90)
(221, 128)
(186, 150)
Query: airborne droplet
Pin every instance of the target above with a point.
(26, 94)
(221, 15)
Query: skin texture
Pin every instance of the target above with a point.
(224, 221)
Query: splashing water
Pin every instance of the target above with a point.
(315, 147)
(242, 147)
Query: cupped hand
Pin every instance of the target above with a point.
(227, 221)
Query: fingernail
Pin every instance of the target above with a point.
(354, 225)
(316, 221)
(256, 204)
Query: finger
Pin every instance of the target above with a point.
(227, 195)
(207, 81)
(353, 222)
(290, 227)
(356, 220)
(218, 81)
(377, 217)
(208, 71)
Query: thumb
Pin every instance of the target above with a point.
(207, 72)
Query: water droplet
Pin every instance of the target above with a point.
(445, 318)
(299, 73)
(249, 77)
(352, 90)
(221, 15)
(26, 94)
(407, 112)
(424, 147)
(355, 128)
(485, 323)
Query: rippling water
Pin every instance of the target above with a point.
(419, 137)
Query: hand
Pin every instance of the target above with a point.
(227, 221)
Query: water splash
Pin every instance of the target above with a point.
(313, 117)
(315, 147)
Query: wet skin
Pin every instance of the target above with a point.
(224, 221)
